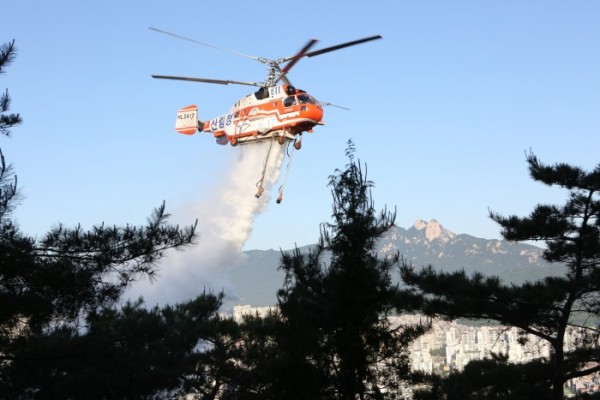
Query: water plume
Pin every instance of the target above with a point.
(225, 219)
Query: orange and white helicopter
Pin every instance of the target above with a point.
(277, 111)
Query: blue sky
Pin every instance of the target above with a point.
(443, 108)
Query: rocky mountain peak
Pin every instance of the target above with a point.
(434, 230)
(257, 279)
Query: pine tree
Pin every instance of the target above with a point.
(8, 181)
(56, 291)
(335, 340)
(130, 352)
(8, 53)
(561, 311)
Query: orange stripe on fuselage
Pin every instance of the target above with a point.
(312, 115)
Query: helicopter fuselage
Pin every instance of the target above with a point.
(280, 111)
(274, 112)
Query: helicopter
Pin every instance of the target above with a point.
(276, 111)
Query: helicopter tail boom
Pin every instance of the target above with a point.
(187, 120)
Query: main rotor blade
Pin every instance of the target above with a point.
(341, 46)
(217, 81)
(298, 56)
(206, 44)
(294, 60)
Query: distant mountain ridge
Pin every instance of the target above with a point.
(258, 279)
(430, 243)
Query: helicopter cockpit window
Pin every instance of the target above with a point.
(305, 98)
(289, 101)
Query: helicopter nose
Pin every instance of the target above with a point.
(312, 112)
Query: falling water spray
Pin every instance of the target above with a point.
(225, 219)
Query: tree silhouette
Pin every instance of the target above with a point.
(334, 339)
(562, 311)
(59, 296)
(127, 353)
(8, 53)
